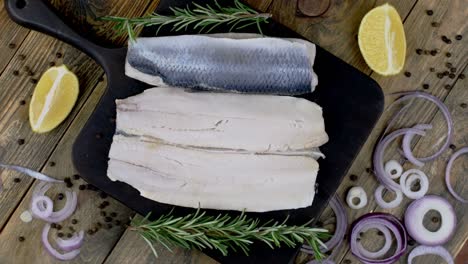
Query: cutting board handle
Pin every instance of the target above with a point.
(37, 15)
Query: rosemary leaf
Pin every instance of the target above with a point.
(201, 17)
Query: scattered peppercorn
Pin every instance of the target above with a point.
(60, 234)
(353, 177)
(433, 52)
(58, 55)
(419, 51)
(461, 76)
(21, 238)
(448, 87)
(16, 180)
(82, 187)
(446, 40)
(69, 235)
(20, 141)
(432, 69)
(74, 221)
(429, 12)
(448, 54)
(33, 81)
(411, 242)
(52, 164)
(113, 214)
(103, 195)
(458, 37)
(69, 184)
(67, 179)
(452, 147)
(449, 65)
(59, 227)
(12, 45)
(21, 57)
(60, 196)
(90, 232)
(51, 64)
(368, 170)
(108, 219)
(347, 261)
(53, 225)
(453, 69)
(446, 73)
(452, 75)
(76, 177)
(30, 73)
(101, 79)
(435, 24)
(425, 86)
(22, 102)
(440, 75)
(463, 105)
(105, 203)
(408, 74)
(15, 73)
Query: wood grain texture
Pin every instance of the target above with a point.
(132, 249)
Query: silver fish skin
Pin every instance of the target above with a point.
(243, 63)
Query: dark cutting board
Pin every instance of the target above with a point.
(351, 101)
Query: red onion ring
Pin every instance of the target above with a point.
(455, 155)
(414, 217)
(393, 165)
(45, 241)
(425, 250)
(72, 243)
(406, 145)
(356, 192)
(387, 221)
(55, 217)
(405, 183)
(47, 207)
(384, 204)
(341, 224)
(382, 251)
(446, 113)
(378, 156)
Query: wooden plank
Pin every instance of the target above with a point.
(11, 37)
(336, 30)
(132, 249)
(96, 246)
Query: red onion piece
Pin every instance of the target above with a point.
(72, 243)
(45, 241)
(387, 221)
(378, 156)
(414, 217)
(406, 145)
(445, 112)
(356, 192)
(385, 248)
(405, 183)
(30, 173)
(55, 217)
(455, 155)
(341, 224)
(47, 206)
(425, 250)
(393, 169)
(384, 204)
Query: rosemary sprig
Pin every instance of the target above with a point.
(224, 233)
(201, 17)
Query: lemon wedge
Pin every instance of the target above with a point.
(53, 99)
(382, 40)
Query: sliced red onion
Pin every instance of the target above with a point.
(359, 193)
(378, 195)
(425, 250)
(387, 221)
(378, 156)
(393, 169)
(414, 217)
(445, 112)
(406, 145)
(406, 182)
(72, 243)
(46, 204)
(385, 248)
(455, 155)
(341, 224)
(55, 217)
(29, 172)
(45, 241)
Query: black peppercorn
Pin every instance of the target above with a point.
(368, 170)
(448, 87)
(433, 52)
(446, 73)
(51, 64)
(446, 40)
(33, 81)
(21, 238)
(429, 12)
(60, 196)
(22, 102)
(449, 65)
(69, 235)
(432, 69)
(411, 242)
(74, 221)
(452, 147)
(452, 76)
(12, 45)
(59, 234)
(67, 179)
(440, 75)
(453, 69)
(103, 195)
(461, 76)
(353, 177)
(16, 180)
(425, 86)
(105, 203)
(69, 184)
(52, 164)
(58, 55)
(59, 227)
(15, 73)
(82, 187)
(448, 54)
(419, 51)
(53, 225)
(346, 261)
(408, 74)
(458, 37)
(76, 177)
(90, 232)
(463, 105)
(21, 57)
(435, 24)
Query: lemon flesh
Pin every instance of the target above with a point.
(53, 99)
(382, 40)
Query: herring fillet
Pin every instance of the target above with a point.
(212, 179)
(260, 123)
(245, 63)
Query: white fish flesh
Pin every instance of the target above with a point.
(226, 121)
(245, 63)
(214, 179)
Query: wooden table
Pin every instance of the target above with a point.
(26, 54)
